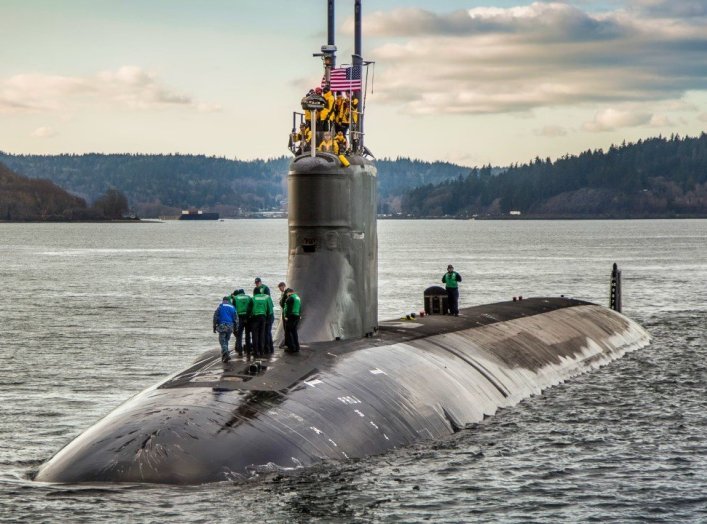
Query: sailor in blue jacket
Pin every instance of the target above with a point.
(225, 323)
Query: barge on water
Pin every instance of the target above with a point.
(197, 214)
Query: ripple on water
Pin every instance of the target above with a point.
(624, 443)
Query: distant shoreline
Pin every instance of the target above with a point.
(502, 219)
(529, 217)
(65, 221)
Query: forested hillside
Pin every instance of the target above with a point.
(396, 176)
(165, 184)
(25, 199)
(657, 177)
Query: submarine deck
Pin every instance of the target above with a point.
(285, 370)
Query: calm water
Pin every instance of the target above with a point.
(92, 313)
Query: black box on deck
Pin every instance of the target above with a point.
(436, 302)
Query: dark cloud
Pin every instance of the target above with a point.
(671, 8)
(543, 21)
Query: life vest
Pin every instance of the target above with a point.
(296, 305)
(344, 114)
(338, 104)
(327, 113)
(354, 108)
(329, 146)
(450, 279)
(262, 305)
(242, 303)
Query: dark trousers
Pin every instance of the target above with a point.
(243, 328)
(257, 326)
(453, 300)
(291, 337)
(269, 347)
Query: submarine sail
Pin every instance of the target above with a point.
(332, 203)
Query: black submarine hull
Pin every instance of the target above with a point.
(416, 380)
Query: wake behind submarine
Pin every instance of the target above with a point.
(359, 387)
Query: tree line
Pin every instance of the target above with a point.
(165, 184)
(23, 199)
(656, 177)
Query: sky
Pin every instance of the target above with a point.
(473, 82)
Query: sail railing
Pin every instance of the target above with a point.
(297, 142)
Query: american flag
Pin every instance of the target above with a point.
(345, 79)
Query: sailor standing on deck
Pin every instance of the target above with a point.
(262, 310)
(225, 321)
(270, 320)
(244, 305)
(451, 281)
(291, 313)
(262, 288)
(283, 296)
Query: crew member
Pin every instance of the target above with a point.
(308, 114)
(328, 144)
(451, 281)
(340, 140)
(264, 290)
(355, 138)
(270, 319)
(343, 115)
(261, 311)
(303, 138)
(282, 287)
(244, 307)
(293, 306)
(225, 321)
(326, 115)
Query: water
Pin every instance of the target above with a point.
(90, 314)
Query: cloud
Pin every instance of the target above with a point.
(544, 21)
(128, 86)
(702, 117)
(208, 108)
(551, 131)
(661, 121)
(496, 60)
(44, 132)
(611, 119)
(671, 8)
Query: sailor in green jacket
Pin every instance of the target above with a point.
(293, 307)
(451, 281)
(262, 310)
(270, 320)
(244, 306)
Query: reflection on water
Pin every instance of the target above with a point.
(93, 313)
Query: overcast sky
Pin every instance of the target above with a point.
(473, 82)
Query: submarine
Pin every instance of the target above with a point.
(358, 387)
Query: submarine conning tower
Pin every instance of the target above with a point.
(332, 202)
